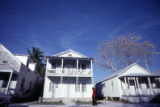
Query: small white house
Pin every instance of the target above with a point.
(133, 83)
(69, 75)
(17, 78)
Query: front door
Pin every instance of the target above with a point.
(132, 87)
(68, 89)
(52, 89)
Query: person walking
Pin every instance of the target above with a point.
(93, 96)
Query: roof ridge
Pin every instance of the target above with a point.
(69, 50)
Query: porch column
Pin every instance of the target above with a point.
(126, 84)
(149, 81)
(91, 66)
(150, 86)
(61, 79)
(61, 65)
(77, 79)
(8, 82)
(137, 82)
(47, 66)
(91, 63)
(77, 62)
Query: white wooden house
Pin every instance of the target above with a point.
(17, 78)
(133, 83)
(69, 75)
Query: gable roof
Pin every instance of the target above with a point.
(118, 73)
(68, 51)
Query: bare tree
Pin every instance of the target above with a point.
(123, 51)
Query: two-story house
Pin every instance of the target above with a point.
(69, 74)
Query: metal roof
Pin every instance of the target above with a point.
(118, 73)
(140, 75)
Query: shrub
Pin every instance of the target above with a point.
(156, 99)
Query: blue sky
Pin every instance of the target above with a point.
(58, 25)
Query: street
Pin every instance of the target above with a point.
(102, 104)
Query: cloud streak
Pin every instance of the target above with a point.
(68, 41)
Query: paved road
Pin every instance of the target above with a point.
(103, 104)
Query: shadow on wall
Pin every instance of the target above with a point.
(99, 94)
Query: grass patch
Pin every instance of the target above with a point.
(50, 103)
(83, 102)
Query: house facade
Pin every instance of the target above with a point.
(69, 75)
(133, 83)
(17, 78)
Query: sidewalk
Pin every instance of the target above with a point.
(102, 104)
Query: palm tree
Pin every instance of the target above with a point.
(37, 56)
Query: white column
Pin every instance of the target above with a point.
(137, 82)
(61, 65)
(77, 79)
(47, 66)
(149, 81)
(126, 85)
(91, 63)
(77, 62)
(8, 82)
(128, 82)
(61, 79)
(150, 85)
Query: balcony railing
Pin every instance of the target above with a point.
(140, 92)
(69, 72)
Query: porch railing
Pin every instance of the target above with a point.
(69, 72)
(3, 90)
(140, 92)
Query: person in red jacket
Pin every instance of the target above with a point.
(93, 96)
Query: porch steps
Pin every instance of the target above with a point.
(68, 102)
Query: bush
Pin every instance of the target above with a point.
(115, 98)
(109, 98)
(156, 99)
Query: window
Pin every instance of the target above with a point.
(83, 66)
(77, 87)
(4, 84)
(143, 82)
(83, 87)
(131, 83)
(54, 65)
(5, 62)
